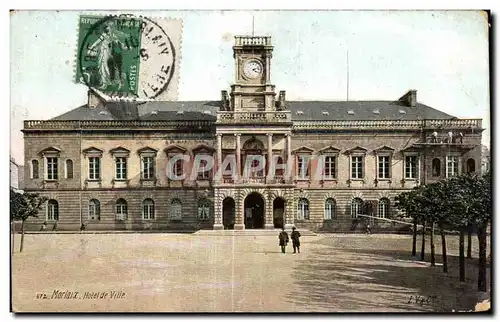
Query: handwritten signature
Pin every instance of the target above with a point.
(422, 300)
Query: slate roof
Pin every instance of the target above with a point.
(301, 111)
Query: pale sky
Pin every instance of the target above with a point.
(442, 54)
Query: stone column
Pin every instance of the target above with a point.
(238, 156)
(268, 218)
(269, 155)
(290, 209)
(289, 160)
(217, 211)
(239, 212)
(219, 155)
(268, 68)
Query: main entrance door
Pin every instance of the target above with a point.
(228, 213)
(278, 212)
(254, 211)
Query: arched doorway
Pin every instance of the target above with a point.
(278, 212)
(471, 166)
(228, 213)
(254, 211)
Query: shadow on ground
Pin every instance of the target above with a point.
(364, 280)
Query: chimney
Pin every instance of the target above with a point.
(282, 100)
(410, 98)
(93, 99)
(225, 101)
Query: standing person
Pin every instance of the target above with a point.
(283, 237)
(295, 240)
(44, 226)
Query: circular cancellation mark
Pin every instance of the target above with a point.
(124, 56)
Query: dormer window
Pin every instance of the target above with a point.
(300, 112)
(402, 112)
(325, 113)
(376, 111)
(350, 112)
(180, 112)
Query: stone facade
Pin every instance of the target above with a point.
(390, 153)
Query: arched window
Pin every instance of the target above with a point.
(436, 167)
(383, 208)
(176, 209)
(121, 209)
(69, 169)
(203, 209)
(303, 209)
(52, 210)
(34, 169)
(471, 165)
(329, 209)
(148, 209)
(94, 209)
(356, 207)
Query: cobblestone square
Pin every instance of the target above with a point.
(196, 273)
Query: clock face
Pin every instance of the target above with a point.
(252, 69)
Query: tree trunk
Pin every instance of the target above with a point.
(433, 246)
(414, 247)
(481, 278)
(443, 244)
(461, 257)
(422, 251)
(22, 237)
(469, 242)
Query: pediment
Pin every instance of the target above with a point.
(147, 149)
(253, 144)
(383, 149)
(118, 150)
(202, 148)
(92, 150)
(357, 149)
(175, 149)
(329, 149)
(303, 149)
(50, 150)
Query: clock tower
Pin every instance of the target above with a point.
(252, 90)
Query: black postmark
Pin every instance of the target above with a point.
(125, 56)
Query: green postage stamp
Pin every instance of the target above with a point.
(128, 56)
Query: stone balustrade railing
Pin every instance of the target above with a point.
(113, 124)
(389, 124)
(254, 117)
(252, 40)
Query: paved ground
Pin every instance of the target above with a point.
(185, 272)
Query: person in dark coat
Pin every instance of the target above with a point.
(283, 238)
(295, 240)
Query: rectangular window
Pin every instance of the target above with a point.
(411, 167)
(178, 168)
(121, 168)
(51, 168)
(147, 168)
(203, 173)
(303, 166)
(330, 167)
(357, 167)
(383, 167)
(451, 166)
(94, 168)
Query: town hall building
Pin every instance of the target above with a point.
(104, 164)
